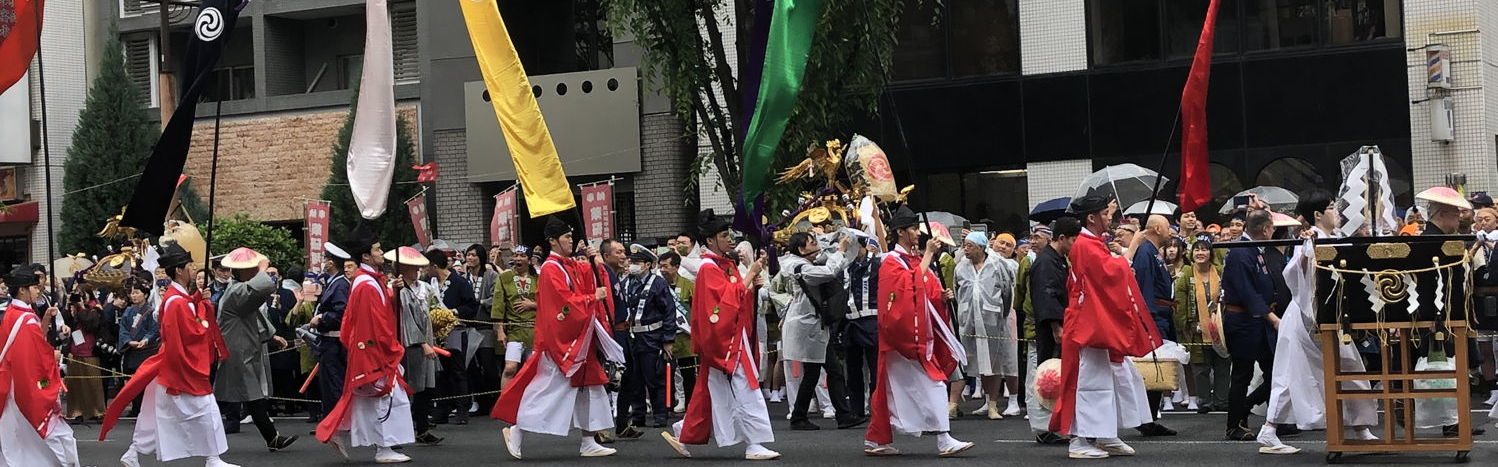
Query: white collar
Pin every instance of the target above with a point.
(1089, 232)
(367, 268)
(20, 304)
(901, 249)
(179, 287)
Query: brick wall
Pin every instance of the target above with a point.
(462, 216)
(1050, 180)
(1454, 23)
(64, 54)
(661, 184)
(1053, 36)
(268, 161)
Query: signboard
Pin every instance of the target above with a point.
(598, 211)
(504, 227)
(417, 207)
(317, 232)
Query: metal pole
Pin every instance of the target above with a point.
(41, 78)
(213, 173)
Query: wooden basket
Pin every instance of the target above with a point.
(1161, 375)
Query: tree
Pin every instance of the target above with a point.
(192, 203)
(274, 242)
(112, 141)
(847, 69)
(392, 228)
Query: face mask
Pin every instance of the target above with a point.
(635, 269)
(162, 282)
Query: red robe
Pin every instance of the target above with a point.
(30, 367)
(190, 343)
(374, 348)
(906, 327)
(1104, 311)
(720, 292)
(566, 288)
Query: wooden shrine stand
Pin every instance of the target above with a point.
(1395, 373)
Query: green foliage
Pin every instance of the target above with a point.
(275, 243)
(195, 206)
(392, 228)
(113, 139)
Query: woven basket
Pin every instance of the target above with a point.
(1162, 375)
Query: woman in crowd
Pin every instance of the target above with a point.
(139, 334)
(86, 320)
(1197, 289)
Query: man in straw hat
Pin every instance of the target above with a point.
(726, 403)
(327, 319)
(32, 430)
(1106, 323)
(179, 415)
(242, 381)
(1443, 217)
(419, 363)
(375, 408)
(910, 395)
(562, 385)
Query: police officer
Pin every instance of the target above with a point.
(861, 336)
(331, 356)
(650, 318)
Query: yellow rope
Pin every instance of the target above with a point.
(1362, 272)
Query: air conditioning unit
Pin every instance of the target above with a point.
(1442, 120)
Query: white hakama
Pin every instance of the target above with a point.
(739, 413)
(1110, 396)
(917, 404)
(551, 405)
(21, 447)
(379, 420)
(178, 426)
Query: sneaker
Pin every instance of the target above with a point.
(993, 413)
(852, 422)
(756, 452)
(1155, 429)
(1049, 437)
(829, 415)
(429, 439)
(1081, 449)
(130, 459)
(214, 461)
(776, 396)
(1287, 430)
(879, 450)
(281, 442)
(629, 432)
(675, 444)
(1115, 447)
(1239, 433)
(591, 448)
(385, 455)
(804, 425)
(952, 412)
(1166, 405)
(604, 437)
(512, 441)
(247, 420)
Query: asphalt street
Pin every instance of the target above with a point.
(1006, 441)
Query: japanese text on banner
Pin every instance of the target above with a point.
(417, 206)
(504, 227)
(598, 211)
(317, 232)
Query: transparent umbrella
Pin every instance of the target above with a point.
(1127, 183)
(1280, 199)
(1162, 207)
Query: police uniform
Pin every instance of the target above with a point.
(649, 324)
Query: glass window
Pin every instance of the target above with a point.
(919, 47)
(1276, 24)
(1291, 173)
(1124, 30)
(1349, 21)
(1225, 184)
(1183, 27)
(1000, 196)
(985, 36)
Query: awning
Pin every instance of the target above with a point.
(26, 212)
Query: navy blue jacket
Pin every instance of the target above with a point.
(330, 305)
(647, 307)
(1246, 283)
(1155, 283)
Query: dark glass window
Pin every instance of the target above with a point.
(1124, 30)
(919, 51)
(1350, 21)
(1278, 24)
(1183, 26)
(1225, 184)
(985, 36)
(1291, 173)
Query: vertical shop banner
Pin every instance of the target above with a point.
(598, 211)
(504, 227)
(317, 232)
(417, 207)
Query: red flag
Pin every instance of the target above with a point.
(598, 211)
(504, 226)
(19, 22)
(417, 207)
(1196, 179)
(425, 172)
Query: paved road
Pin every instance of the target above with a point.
(1005, 441)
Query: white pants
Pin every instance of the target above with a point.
(739, 413)
(514, 352)
(1110, 396)
(383, 421)
(917, 404)
(180, 426)
(21, 447)
(1040, 416)
(794, 373)
(551, 405)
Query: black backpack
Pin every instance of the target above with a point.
(830, 299)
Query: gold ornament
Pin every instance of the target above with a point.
(443, 321)
(1391, 286)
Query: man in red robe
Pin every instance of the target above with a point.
(726, 403)
(1106, 322)
(375, 408)
(179, 416)
(32, 431)
(917, 350)
(562, 385)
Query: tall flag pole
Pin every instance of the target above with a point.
(792, 29)
(20, 35)
(1195, 188)
(537, 164)
(371, 152)
(158, 183)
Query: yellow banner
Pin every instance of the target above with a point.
(536, 162)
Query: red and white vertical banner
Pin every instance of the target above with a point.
(598, 210)
(317, 232)
(504, 226)
(417, 207)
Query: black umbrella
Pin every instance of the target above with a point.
(1048, 211)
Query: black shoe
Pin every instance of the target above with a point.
(1155, 429)
(228, 429)
(428, 438)
(281, 442)
(460, 420)
(1203, 409)
(660, 423)
(851, 422)
(1239, 433)
(439, 420)
(629, 432)
(804, 425)
(1286, 430)
(603, 437)
(1050, 438)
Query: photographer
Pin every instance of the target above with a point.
(810, 316)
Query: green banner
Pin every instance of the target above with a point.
(792, 29)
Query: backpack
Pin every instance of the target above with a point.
(830, 299)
